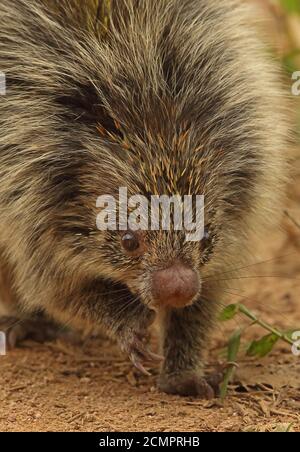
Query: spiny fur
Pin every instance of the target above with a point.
(176, 96)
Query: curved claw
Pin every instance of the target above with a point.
(140, 354)
(155, 357)
(139, 365)
(146, 354)
(135, 347)
(150, 356)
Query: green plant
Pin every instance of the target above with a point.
(257, 348)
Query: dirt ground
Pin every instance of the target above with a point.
(62, 387)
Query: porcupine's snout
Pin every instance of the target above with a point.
(175, 286)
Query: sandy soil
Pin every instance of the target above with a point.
(62, 387)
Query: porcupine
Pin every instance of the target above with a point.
(167, 97)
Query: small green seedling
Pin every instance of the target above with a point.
(258, 348)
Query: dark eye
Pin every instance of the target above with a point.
(130, 242)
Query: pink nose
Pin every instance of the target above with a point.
(175, 286)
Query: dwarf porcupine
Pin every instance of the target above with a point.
(168, 97)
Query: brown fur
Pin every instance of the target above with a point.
(177, 97)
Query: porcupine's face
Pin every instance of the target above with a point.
(168, 267)
(160, 266)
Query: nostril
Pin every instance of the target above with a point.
(175, 286)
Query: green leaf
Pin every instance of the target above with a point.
(233, 349)
(229, 312)
(263, 346)
(291, 6)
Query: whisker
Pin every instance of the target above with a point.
(237, 269)
(251, 277)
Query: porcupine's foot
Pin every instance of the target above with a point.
(134, 340)
(39, 330)
(135, 345)
(191, 384)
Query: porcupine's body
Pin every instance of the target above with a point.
(177, 97)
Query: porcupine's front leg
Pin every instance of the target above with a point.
(123, 316)
(185, 336)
